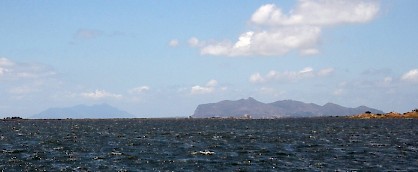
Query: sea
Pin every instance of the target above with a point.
(291, 144)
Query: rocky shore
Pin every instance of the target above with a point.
(390, 115)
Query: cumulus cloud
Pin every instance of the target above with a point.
(306, 72)
(279, 33)
(273, 42)
(100, 94)
(411, 76)
(208, 88)
(139, 90)
(318, 12)
(173, 43)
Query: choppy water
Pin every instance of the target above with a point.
(317, 144)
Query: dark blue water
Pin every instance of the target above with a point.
(317, 144)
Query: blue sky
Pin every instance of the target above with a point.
(163, 58)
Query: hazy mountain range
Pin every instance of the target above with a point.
(283, 108)
(84, 111)
(226, 108)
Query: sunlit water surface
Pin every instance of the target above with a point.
(312, 144)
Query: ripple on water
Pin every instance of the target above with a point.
(317, 144)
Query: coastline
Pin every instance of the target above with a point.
(391, 115)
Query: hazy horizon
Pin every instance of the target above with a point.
(159, 58)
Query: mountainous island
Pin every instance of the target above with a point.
(251, 108)
(84, 111)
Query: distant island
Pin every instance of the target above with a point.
(251, 108)
(236, 109)
(390, 115)
(83, 111)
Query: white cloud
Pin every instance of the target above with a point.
(139, 90)
(208, 88)
(318, 13)
(22, 81)
(173, 43)
(222, 48)
(256, 78)
(278, 33)
(3, 71)
(13, 71)
(244, 40)
(411, 76)
(272, 42)
(100, 94)
(212, 83)
(5, 62)
(201, 90)
(4, 65)
(193, 42)
(306, 72)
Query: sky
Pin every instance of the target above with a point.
(163, 58)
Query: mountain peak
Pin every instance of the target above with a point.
(250, 98)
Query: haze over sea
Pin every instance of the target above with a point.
(311, 144)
